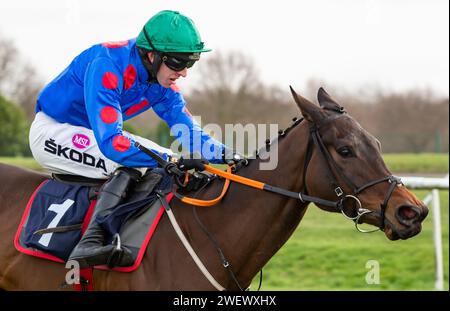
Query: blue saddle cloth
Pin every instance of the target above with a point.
(56, 205)
(65, 206)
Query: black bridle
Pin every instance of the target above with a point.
(334, 172)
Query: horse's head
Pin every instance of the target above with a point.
(345, 164)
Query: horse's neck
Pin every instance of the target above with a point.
(258, 223)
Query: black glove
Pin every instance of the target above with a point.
(188, 164)
(231, 157)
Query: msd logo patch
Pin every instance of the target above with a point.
(80, 141)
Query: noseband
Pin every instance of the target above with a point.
(334, 172)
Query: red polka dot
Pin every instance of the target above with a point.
(115, 44)
(135, 108)
(175, 88)
(121, 143)
(129, 76)
(110, 80)
(187, 111)
(108, 115)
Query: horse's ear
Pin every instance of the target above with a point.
(326, 102)
(310, 111)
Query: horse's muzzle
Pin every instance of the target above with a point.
(409, 219)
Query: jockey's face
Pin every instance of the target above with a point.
(166, 76)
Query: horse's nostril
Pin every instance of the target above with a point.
(408, 213)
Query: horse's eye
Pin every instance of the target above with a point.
(345, 152)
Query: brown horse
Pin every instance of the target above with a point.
(249, 225)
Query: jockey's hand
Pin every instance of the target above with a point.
(193, 162)
(232, 157)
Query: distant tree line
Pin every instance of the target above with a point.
(13, 130)
(19, 86)
(230, 91)
(19, 81)
(414, 121)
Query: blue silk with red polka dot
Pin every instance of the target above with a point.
(107, 85)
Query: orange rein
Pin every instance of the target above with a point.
(236, 178)
(229, 177)
(198, 202)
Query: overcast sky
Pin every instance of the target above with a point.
(395, 44)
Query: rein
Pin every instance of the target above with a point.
(333, 172)
(262, 186)
(204, 203)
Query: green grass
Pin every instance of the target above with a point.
(327, 253)
(417, 163)
(397, 163)
(22, 161)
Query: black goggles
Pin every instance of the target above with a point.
(176, 63)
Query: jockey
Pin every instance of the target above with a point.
(78, 128)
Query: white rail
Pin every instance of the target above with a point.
(425, 182)
(434, 184)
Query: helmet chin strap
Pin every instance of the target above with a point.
(151, 67)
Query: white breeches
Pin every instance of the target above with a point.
(67, 149)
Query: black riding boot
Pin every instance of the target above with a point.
(91, 250)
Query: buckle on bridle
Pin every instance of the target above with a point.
(395, 179)
(338, 191)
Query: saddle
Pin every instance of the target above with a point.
(60, 209)
(58, 212)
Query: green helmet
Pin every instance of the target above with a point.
(170, 32)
